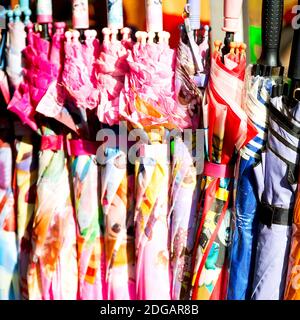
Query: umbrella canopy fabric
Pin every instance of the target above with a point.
(243, 248)
(25, 179)
(228, 131)
(9, 275)
(277, 183)
(110, 70)
(190, 81)
(292, 283)
(184, 196)
(118, 207)
(90, 242)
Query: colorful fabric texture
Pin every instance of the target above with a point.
(9, 267)
(53, 269)
(117, 199)
(223, 109)
(153, 273)
(90, 241)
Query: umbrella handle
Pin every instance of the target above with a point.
(193, 8)
(115, 18)
(80, 14)
(232, 13)
(272, 16)
(294, 68)
(154, 15)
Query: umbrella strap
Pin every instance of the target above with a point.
(218, 171)
(82, 147)
(269, 215)
(54, 143)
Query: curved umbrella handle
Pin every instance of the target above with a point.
(194, 10)
(154, 15)
(272, 16)
(232, 13)
(80, 14)
(115, 18)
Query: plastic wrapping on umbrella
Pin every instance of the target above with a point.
(276, 179)
(9, 272)
(243, 248)
(25, 178)
(228, 131)
(184, 195)
(90, 241)
(111, 68)
(53, 269)
(292, 281)
(118, 207)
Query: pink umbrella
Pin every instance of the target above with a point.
(148, 102)
(117, 183)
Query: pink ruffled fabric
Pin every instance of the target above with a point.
(111, 68)
(78, 76)
(148, 98)
(39, 72)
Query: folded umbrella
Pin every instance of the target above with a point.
(259, 83)
(53, 269)
(228, 131)
(9, 272)
(148, 103)
(82, 97)
(277, 183)
(190, 81)
(25, 178)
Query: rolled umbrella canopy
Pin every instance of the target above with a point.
(9, 268)
(53, 270)
(148, 103)
(184, 195)
(117, 191)
(243, 248)
(82, 98)
(190, 80)
(277, 183)
(228, 132)
(117, 175)
(25, 178)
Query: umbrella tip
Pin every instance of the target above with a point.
(68, 35)
(126, 33)
(114, 34)
(151, 36)
(218, 45)
(76, 36)
(106, 34)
